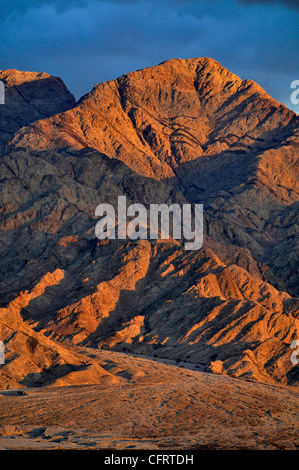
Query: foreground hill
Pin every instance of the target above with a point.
(32, 360)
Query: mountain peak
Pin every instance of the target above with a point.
(13, 77)
(157, 118)
(30, 96)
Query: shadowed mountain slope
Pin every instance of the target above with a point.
(30, 96)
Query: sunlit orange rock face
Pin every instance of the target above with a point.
(159, 118)
(31, 359)
(182, 131)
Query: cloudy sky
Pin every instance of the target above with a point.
(87, 41)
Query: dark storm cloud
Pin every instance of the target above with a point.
(87, 41)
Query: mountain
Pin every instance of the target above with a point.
(220, 140)
(159, 118)
(30, 96)
(184, 131)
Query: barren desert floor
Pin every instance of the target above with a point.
(152, 406)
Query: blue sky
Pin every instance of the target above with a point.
(87, 42)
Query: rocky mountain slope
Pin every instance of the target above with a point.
(220, 140)
(159, 118)
(184, 131)
(30, 96)
(33, 360)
